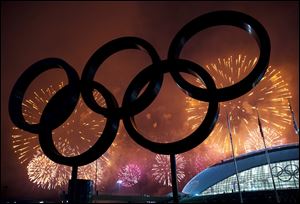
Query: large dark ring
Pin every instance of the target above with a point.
(100, 147)
(100, 56)
(195, 138)
(232, 18)
(22, 84)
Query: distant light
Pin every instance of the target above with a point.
(41, 202)
(197, 194)
(119, 181)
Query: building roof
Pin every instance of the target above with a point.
(225, 169)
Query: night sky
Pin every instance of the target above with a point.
(73, 31)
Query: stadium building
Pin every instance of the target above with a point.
(254, 173)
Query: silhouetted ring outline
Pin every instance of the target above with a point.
(288, 172)
(132, 102)
(195, 138)
(102, 144)
(94, 63)
(233, 18)
(23, 82)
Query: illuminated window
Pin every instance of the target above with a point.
(286, 176)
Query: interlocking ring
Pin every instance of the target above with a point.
(100, 56)
(287, 173)
(22, 84)
(62, 104)
(233, 18)
(102, 144)
(199, 134)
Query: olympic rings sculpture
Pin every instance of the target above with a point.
(62, 104)
(286, 173)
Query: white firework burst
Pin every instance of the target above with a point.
(161, 169)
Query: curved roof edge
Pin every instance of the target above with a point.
(225, 169)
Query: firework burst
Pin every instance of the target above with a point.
(47, 174)
(83, 123)
(255, 141)
(129, 175)
(270, 95)
(93, 171)
(161, 170)
(202, 162)
(205, 156)
(26, 144)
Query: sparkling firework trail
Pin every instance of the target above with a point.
(50, 175)
(129, 175)
(202, 162)
(206, 156)
(26, 144)
(89, 171)
(270, 95)
(255, 141)
(162, 169)
(85, 126)
(47, 174)
(82, 123)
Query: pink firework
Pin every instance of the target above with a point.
(129, 175)
(207, 155)
(202, 162)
